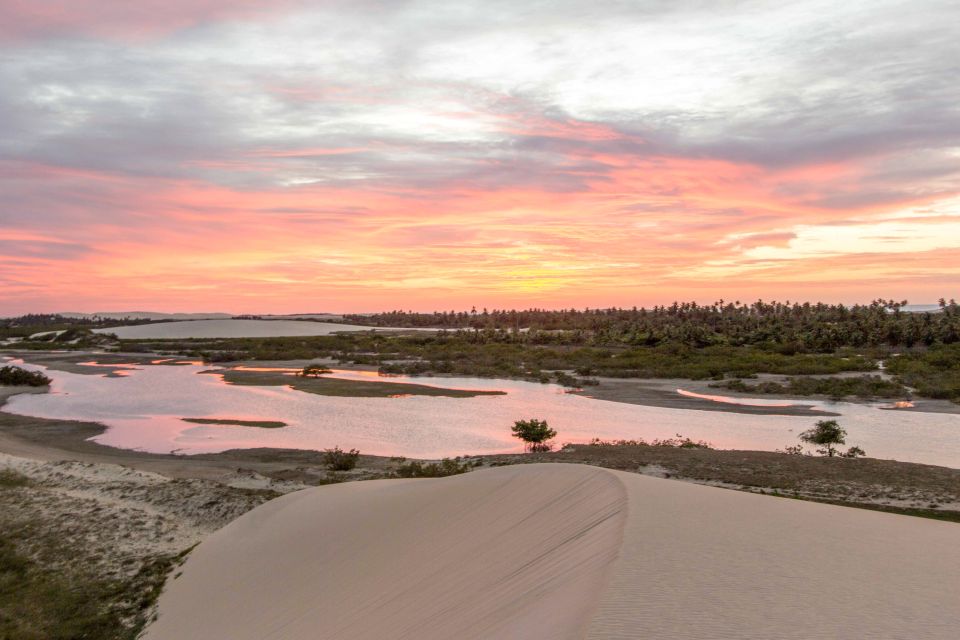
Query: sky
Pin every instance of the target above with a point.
(362, 155)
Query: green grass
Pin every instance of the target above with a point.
(263, 424)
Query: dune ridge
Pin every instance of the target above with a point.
(563, 551)
(512, 553)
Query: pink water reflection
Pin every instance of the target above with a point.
(144, 409)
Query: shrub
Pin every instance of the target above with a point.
(679, 442)
(337, 459)
(314, 371)
(534, 433)
(15, 376)
(445, 467)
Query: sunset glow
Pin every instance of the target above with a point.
(356, 156)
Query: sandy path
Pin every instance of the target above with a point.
(563, 551)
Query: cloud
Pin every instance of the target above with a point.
(573, 150)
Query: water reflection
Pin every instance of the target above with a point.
(143, 410)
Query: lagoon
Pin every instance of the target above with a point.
(144, 409)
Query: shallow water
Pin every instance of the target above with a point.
(143, 411)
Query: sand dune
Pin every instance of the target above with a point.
(563, 551)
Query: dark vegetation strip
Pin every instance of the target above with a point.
(263, 424)
(341, 387)
(859, 386)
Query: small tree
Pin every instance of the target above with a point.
(314, 371)
(826, 434)
(534, 434)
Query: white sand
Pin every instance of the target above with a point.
(229, 329)
(563, 551)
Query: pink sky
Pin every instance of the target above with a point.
(361, 156)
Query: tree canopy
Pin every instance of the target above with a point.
(534, 433)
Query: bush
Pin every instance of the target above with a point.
(534, 433)
(15, 376)
(445, 467)
(679, 442)
(337, 459)
(314, 371)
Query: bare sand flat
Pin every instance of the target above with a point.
(563, 551)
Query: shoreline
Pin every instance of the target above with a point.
(905, 487)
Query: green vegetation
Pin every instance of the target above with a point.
(679, 442)
(337, 459)
(30, 324)
(263, 424)
(934, 373)
(835, 387)
(534, 434)
(446, 467)
(15, 376)
(41, 599)
(826, 434)
(682, 340)
(314, 371)
(788, 328)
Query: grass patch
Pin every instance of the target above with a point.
(40, 603)
(262, 424)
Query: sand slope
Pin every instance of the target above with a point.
(563, 551)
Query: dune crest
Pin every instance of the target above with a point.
(514, 552)
(552, 551)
